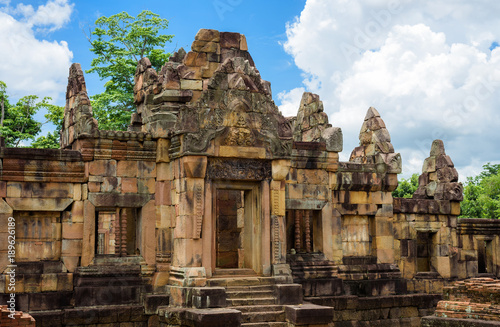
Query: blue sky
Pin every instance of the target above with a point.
(431, 68)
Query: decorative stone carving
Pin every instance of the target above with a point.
(439, 178)
(375, 144)
(239, 169)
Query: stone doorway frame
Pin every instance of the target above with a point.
(257, 241)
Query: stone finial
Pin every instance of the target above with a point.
(78, 118)
(312, 124)
(439, 178)
(375, 143)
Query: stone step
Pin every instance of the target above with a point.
(263, 316)
(265, 324)
(249, 294)
(234, 272)
(250, 288)
(252, 301)
(258, 308)
(240, 281)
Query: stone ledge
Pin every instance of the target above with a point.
(308, 314)
(455, 322)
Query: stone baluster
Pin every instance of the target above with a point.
(308, 230)
(298, 217)
(117, 233)
(123, 225)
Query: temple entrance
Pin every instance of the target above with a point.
(230, 225)
(237, 227)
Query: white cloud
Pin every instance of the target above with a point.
(28, 64)
(290, 100)
(426, 66)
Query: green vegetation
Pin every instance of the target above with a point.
(18, 125)
(120, 42)
(482, 194)
(406, 187)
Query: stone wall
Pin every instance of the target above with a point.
(140, 207)
(12, 319)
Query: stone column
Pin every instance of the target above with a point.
(280, 169)
(187, 269)
(88, 244)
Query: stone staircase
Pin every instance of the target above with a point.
(253, 295)
(318, 276)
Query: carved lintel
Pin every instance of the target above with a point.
(239, 169)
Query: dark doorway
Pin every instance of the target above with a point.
(229, 228)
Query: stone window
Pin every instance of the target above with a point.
(116, 232)
(303, 231)
(425, 251)
(38, 235)
(484, 256)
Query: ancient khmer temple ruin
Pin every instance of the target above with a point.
(214, 209)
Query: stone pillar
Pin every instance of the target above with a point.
(266, 229)
(88, 244)
(384, 231)
(280, 169)
(189, 173)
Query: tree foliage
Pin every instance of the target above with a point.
(120, 42)
(55, 115)
(482, 194)
(19, 125)
(406, 187)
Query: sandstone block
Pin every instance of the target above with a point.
(429, 165)
(110, 184)
(230, 40)
(240, 151)
(455, 208)
(191, 84)
(207, 35)
(187, 253)
(71, 247)
(77, 192)
(194, 166)
(70, 262)
(127, 168)
(38, 204)
(5, 210)
(163, 193)
(129, 185)
(280, 169)
(196, 59)
(3, 189)
(72, 231)
(14, 189)
(102, 168)
(49, 283)
(165, 172)
(437, 148)
(77, 212)
(167, 216)
(146, 185)
(162, 150)
(333, 138)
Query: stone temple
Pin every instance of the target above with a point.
(214, 209)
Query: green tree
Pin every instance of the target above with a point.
(120, 42)
(3, 101)
(55, 115)
(482, 194)
(19, 124)
(406, 187)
